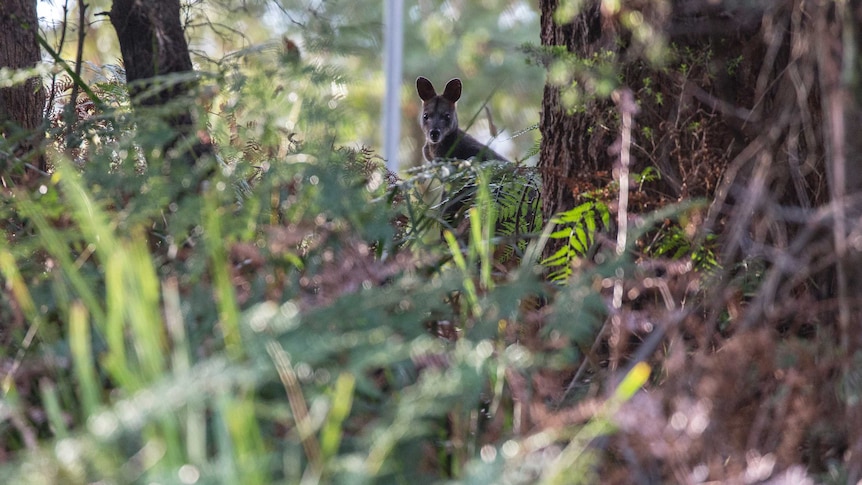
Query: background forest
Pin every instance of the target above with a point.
(209, 276)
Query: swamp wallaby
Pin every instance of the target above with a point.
(439, 121)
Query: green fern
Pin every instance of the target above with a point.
(577, 229)
(440, 194)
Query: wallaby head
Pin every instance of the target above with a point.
(439, 121)
(438, 117)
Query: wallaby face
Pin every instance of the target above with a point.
(439, 117)
(439, 123)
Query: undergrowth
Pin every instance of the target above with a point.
(296, 314)
(287, 311)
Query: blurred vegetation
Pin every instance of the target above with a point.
(289, 311)
(293, 317)
(480, 42)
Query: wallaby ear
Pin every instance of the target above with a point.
(453, 90)
(425, 88)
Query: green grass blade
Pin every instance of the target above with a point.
(82, 356)
(53, 410)
(469, 285)
(224, 292)
(342, 402)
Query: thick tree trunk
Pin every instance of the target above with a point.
(570, 150)
(153, 45)
(21, 106)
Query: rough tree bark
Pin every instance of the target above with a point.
(21, 106)
(153, 44)
(566, 150)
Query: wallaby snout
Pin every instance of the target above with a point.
(434, 136)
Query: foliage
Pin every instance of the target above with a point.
(445, 190)
(260, 316)
(577, 229)
(676, 242)
(164, 386)
(287, 311)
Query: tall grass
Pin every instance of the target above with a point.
(140, 402)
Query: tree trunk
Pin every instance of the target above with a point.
(569, 152)
(21, 106)
(153, 44)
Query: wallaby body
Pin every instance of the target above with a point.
(439, 121)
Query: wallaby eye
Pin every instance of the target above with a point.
(424, 116)
(447, 117)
